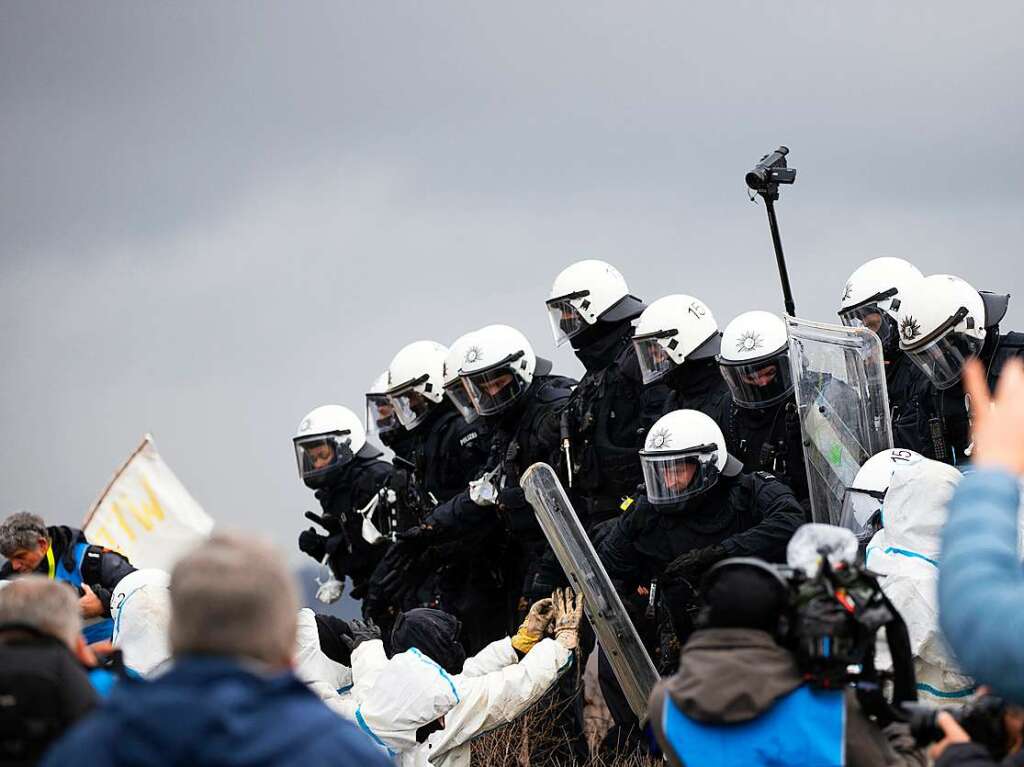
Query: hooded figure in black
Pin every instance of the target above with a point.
(698, 508)
(432, 632)
(610, 410)
(943, 322)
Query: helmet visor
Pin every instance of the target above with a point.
(861, 513)
(566, 321)
(457, 394)
(493, 390)
(410, 406)
(654, 358)
(943, 359)
(319, 454)
(761, 383)
(674, 477)
(380, 416)
(873, 318)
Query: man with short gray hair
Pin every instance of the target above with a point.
(230, 695)
(43, 687)
(62, 553)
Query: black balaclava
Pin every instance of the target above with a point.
(599, 344)
(432, 632)
(694, 377)
(744, 597)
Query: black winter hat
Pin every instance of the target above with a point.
(434, 633)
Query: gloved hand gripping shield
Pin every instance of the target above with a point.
(629, 660)
(843, 405)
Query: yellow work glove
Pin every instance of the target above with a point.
(534, 627)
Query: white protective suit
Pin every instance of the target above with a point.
(494, 688)
(906, 553)
(341, 688)
(141, 609)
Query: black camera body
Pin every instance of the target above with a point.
(982, 719)
(771, 170)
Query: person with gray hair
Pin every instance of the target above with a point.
(43, 687)
(62, 553)
(230, 696)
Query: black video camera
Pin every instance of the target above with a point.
(771, 170)
(982, 719)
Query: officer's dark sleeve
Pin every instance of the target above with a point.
(780, 515)
(618, 553)
(102, 570)
(459, 515)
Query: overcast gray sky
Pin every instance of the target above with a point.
(216, 216)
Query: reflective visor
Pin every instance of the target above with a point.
(380, 415)
(869, 316)
(943, 359)
(654, 359)
(760, 383)
(410, 406)
(861, 513)
(674, 477)
(318, 454)
(566, 321)
(493, 390)
(457, 394)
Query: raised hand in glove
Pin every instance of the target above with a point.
(566, 616)
(361, 631)
(694, 563)
(535, 626)
(312, 543)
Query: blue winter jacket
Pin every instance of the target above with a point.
(981, 582)
(214, 711)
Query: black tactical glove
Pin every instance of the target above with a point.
(362, 631)
(328, 522)
(511, 498)
(694, 563)
(312, 543)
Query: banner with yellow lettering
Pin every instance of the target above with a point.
(146, 513)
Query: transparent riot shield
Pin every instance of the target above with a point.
(615, 632)
(843, 403)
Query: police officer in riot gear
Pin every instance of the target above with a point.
(698, 507)
(382, 422)
(676, 341)
(347, 476)
(590, 306)
(943, 321)
(762, 428)
(870, 299)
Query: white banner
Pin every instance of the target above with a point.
(146, 513)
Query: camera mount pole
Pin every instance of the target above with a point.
(780, 258)
(770, 171)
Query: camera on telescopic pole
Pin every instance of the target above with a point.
(770, 171)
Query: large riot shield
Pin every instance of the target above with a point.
(843, 403)
(615, 632)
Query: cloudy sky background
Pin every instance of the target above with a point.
(214, 217)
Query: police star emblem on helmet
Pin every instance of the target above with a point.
(304, 426)
(847, 291)
(473, 354)
(909, 328)
(660, 439)
(749, 341)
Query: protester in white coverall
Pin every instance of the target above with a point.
(906, 553)
(140, 607)
(423, 715)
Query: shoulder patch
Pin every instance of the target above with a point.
(467, 438)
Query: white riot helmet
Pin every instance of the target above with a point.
(754, 360)
(862, 501)
(683, 456)
(941, 323)
(453, 386)
(871, 296)
(326, 439)
(380, 413)
(586, 292)
(498, 366)
(415, 381)
(672, 330)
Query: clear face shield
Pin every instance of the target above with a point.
(457, 394)
(761, 383)
(654, 358)
(942, 360)
(380, 416)
(566, 320)
(676, 476)
(873, 318)
(319, 454)
(410, 405)
(493, 390)
(862, 514)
